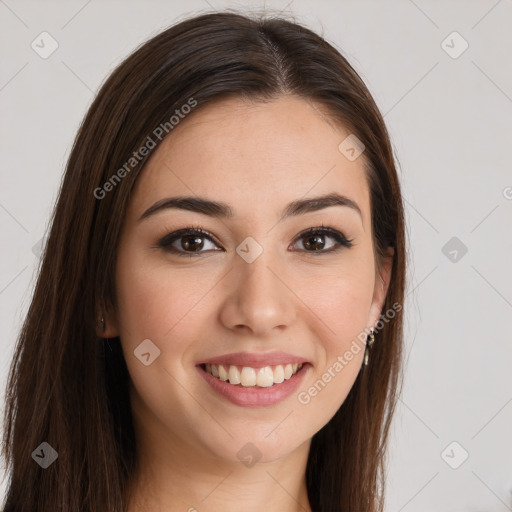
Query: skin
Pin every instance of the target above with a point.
(257, 157)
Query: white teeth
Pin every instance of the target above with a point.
(263, 377)
(248, 377)
(223, 374)
(234, 375)
(278, 374)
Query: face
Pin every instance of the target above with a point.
(254, 290)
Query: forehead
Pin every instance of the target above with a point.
(251, 154)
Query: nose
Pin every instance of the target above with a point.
(258, 299)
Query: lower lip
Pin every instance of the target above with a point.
(255, 396)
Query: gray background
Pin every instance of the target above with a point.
(451, 125)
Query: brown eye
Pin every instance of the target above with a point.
(191, 241)
(186, 242)
(314, 240)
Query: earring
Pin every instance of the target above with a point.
(102, 323)
(369, 342)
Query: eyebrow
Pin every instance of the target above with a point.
(222, 210)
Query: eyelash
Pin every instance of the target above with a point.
(167, 240)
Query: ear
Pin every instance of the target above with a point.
(382, 280)
(108, 328)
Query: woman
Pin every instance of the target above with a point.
(217, 318)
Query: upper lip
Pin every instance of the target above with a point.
(254, 359)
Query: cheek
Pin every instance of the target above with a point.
(160, 305)
(339, 312)
(340, 301)
(152, 300)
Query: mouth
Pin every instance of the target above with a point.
(259, 385)
(249, 376)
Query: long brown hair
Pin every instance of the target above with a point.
(67, 386)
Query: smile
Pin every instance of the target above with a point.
(248, 376)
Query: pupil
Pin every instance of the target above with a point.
(195, 239)
(309, 244)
